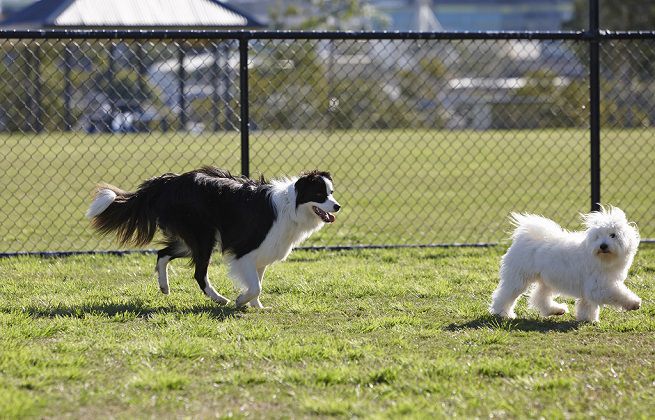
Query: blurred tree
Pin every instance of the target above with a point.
(627, 66)
(625, 15)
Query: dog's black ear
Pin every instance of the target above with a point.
(302, 181)
(315, 174)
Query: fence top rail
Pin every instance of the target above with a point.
(307, 35)
(315, 35)
(627, 34)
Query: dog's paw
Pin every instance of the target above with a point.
(633, 306)
(221, 300)
(256, 304)
(588, 320)
(505, 315)
(213, 295)
(558, 310)
(164, 290)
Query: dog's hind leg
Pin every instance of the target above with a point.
(201, 254)
(504, 298)
(174, 249)
(586, 310)
(542, 299)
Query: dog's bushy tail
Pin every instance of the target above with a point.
(534, 226)
(129, 215)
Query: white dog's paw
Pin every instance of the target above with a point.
(503, 314)
(589, 319)
(633, 306)
(558, 310)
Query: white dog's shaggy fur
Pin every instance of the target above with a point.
(589, 265)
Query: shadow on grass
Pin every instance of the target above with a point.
(131, 309)
(492, 322)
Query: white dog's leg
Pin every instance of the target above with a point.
(255, 303)
(504, 297)
(619, 295)
(541, 299)
(586, 310)
(245, 273)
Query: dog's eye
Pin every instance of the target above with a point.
(612, 235)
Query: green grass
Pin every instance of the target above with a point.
(409, 186)
(371, 333)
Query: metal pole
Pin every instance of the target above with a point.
(226, 79)
(38, 91)
(181, 76)
(142, 69)
(215, 70)
(594, 103)
(68, 95)
(245, 118)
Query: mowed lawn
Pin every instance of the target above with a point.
(369, 333)
(396, 186)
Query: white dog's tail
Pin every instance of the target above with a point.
(534, 226)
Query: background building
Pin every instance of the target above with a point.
(448, 15)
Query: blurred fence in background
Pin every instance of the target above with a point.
(431, 138)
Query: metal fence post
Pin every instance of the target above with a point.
(594, 103)
(68, 88)
(38, 90)
(181, 80)
(215, 97)
(245, 118)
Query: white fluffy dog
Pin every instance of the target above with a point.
(590, 265)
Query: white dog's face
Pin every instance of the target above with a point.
(609, 234)
(314, 195)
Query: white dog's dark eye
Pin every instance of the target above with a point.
(612, 235)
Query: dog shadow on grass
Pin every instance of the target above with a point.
(537, 325)
(130, 309)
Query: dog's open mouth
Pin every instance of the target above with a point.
(325, 216)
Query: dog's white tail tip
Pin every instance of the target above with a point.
(103, 199)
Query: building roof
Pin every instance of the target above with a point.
(109, 14)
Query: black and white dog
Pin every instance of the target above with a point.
(254, 223)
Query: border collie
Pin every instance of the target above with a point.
(254, 223)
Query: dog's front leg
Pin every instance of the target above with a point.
(619, 295)
(246, 273)
(586, 310)
(255, 303)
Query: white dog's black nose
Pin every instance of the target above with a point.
(336, 207)
(603, 247)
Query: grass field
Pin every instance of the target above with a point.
(407, 187)
(371, 333)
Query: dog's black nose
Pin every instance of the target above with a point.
(603, 247)
(337, 207)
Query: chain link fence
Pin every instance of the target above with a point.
(430, 140)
